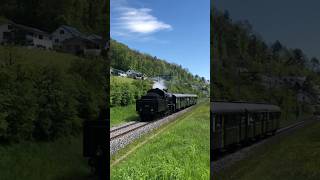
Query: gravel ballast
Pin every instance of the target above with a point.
(122, 141)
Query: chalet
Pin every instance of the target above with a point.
(134, 74)
(12, 33)
(117, 72)
(62, 33)
(69, 39)
(65, 38)
(81, 46)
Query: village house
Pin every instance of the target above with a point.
(69, 39)
(117, 72)
(12, 33)
(81, 46)
(62, 33)
(134, 74)
(65, 38)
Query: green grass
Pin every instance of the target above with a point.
(295, 156)
(122, 79)
(40, 57)
(121, 115)
(180, 151)
(291, 119)
(61, 159)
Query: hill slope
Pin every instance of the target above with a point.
(179, 79)
(244, 67)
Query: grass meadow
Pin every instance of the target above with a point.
(37, 57)
(61, 160)
(120, 115)
(294, 156)
(179, 150)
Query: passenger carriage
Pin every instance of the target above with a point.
(235, 123)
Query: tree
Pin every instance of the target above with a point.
(315, 63)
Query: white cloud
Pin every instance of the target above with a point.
(138, 21)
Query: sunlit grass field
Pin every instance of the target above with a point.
(121, 79)
(295, 156)
(120, 115)
(177, 151)
(61, 159)
(37, 57)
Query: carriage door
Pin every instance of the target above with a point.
(223, 129)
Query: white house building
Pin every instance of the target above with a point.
(12, 33)
(134, 74)
(5, 29)
(64, 32)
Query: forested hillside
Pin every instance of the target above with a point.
(179, 79)
(242, 61)
(86, 15)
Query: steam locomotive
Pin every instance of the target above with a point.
(158, 103)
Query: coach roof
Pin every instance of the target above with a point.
(184, 95)
(227, 107)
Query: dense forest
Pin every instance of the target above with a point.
(178, 78)
(86, 15)
(241, 59)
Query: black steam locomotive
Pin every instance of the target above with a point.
(158, 103)
(235, 123)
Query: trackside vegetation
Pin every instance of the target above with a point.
(123, 114)
(123, 94)
(125, 91)
(293, 156)
(179, 150)
(46, 95)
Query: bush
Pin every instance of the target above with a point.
(44, 102)
(125, 91)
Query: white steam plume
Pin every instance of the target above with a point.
(160, 83)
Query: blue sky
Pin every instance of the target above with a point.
(177, 31)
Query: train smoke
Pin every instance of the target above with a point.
(159, 84)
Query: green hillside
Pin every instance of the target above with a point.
(240, 59)
(180, 80)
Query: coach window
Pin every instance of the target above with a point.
(250, 121)
(218, 121)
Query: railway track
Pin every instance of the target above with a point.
(113, 129)
(125, 134)
(126, 129)
(231, 157)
